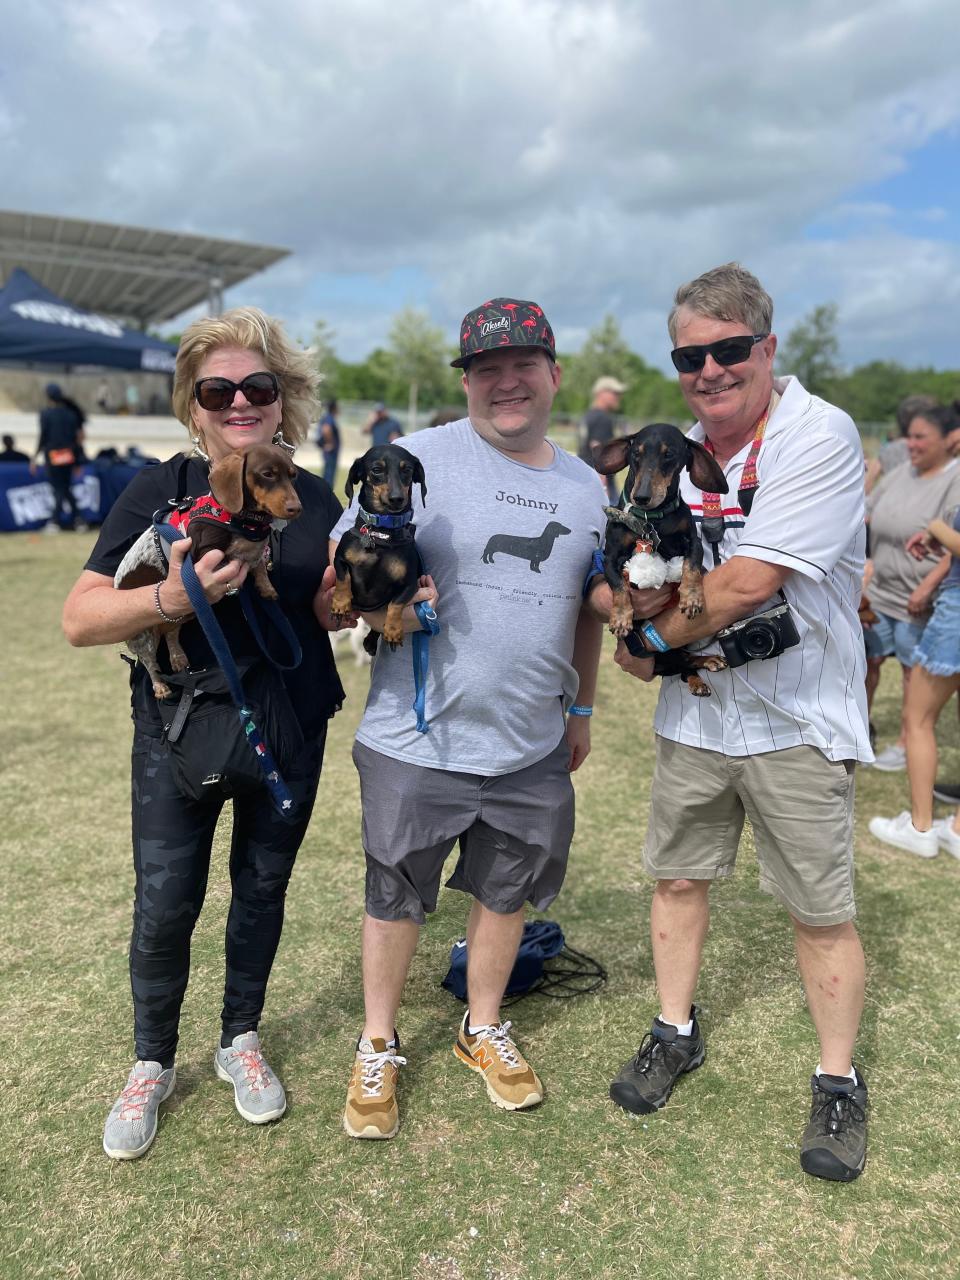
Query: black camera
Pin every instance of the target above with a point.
(765, 635)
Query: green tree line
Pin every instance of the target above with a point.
(413, 369)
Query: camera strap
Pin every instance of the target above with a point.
(712, 523)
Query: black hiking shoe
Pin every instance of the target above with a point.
(646, 1081)
(947, 792)
(834, 1144)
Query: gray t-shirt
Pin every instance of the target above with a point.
(902, 504)
(509, 547)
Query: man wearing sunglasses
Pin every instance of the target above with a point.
(778, 738)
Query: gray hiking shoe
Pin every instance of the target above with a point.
(834, 1144)
(645, 1082)
(257, 1092)
(132, 1124)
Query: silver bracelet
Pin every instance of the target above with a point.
(165, 616)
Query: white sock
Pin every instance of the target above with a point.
(840, 1075)
(683, 1029)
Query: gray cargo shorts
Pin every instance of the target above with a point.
(514, 831)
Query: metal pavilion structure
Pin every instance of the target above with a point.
(136, 274)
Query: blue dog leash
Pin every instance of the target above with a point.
(279, 792)
(421, 659)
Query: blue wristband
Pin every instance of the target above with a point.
(579, 711)
(650, 632)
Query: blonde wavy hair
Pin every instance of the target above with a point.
(251, 329)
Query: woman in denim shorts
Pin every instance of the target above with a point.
(935, 679)
(901, 591)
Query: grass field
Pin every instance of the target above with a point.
(709, 1187)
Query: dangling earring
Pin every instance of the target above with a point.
(198, 449)
(279, 439)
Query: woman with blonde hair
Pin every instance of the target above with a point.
(239, 382)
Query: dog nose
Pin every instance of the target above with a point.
(293, 508)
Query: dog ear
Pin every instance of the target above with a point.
(611, 457)
(705, 471)
(226, 481)
(355, 476)
(420, 479)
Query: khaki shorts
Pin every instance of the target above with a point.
(800, 805)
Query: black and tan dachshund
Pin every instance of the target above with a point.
(376, 562)
(653, 514)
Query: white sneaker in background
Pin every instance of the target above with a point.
(891, 759)
(902, 834)
(947, 838)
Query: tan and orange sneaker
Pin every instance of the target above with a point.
(511, 1082)
(371, 1110)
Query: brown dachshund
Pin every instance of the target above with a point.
(655, 517)
(248, 491)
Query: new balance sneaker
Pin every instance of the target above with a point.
(132, 1123)
(834, 1144)
(902, 834)
(371, 1110)
(947, 792)
(511, 1082)
(891, 760)
(257, 1092)
(645, 1082)
(947, 838)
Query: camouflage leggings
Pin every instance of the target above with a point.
(171, 855)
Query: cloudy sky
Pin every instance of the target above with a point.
(587, 155)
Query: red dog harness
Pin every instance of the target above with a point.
(252, 525)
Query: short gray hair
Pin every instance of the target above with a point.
(730, 292)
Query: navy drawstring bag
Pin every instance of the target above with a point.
(572, 973)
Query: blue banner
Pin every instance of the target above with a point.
(26, 501)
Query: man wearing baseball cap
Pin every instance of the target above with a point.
(599, 423)
(507, 535)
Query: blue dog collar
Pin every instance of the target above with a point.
(384, 521)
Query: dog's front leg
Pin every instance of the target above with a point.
(393, 624)
(342, 599)
(690, 594)
(261, 580)
(691, 591)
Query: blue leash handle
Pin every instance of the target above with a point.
(421, 659)
(279, 792)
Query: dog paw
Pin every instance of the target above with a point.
(267, 592)
(178, 660)
(161, 690)
(690, 606)
(621, 620)
(341, 602)
(714, 662)
(393, 636)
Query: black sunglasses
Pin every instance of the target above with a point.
(726, 352)
(214, 394)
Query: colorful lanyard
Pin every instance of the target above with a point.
(712, 523)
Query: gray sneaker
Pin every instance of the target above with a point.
(257, 1092)
(132, 1124)
(834, 1144)
(646, 1081)
(891, 760)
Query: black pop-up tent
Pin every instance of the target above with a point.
(37, 327)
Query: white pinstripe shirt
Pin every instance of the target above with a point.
(807, 515)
